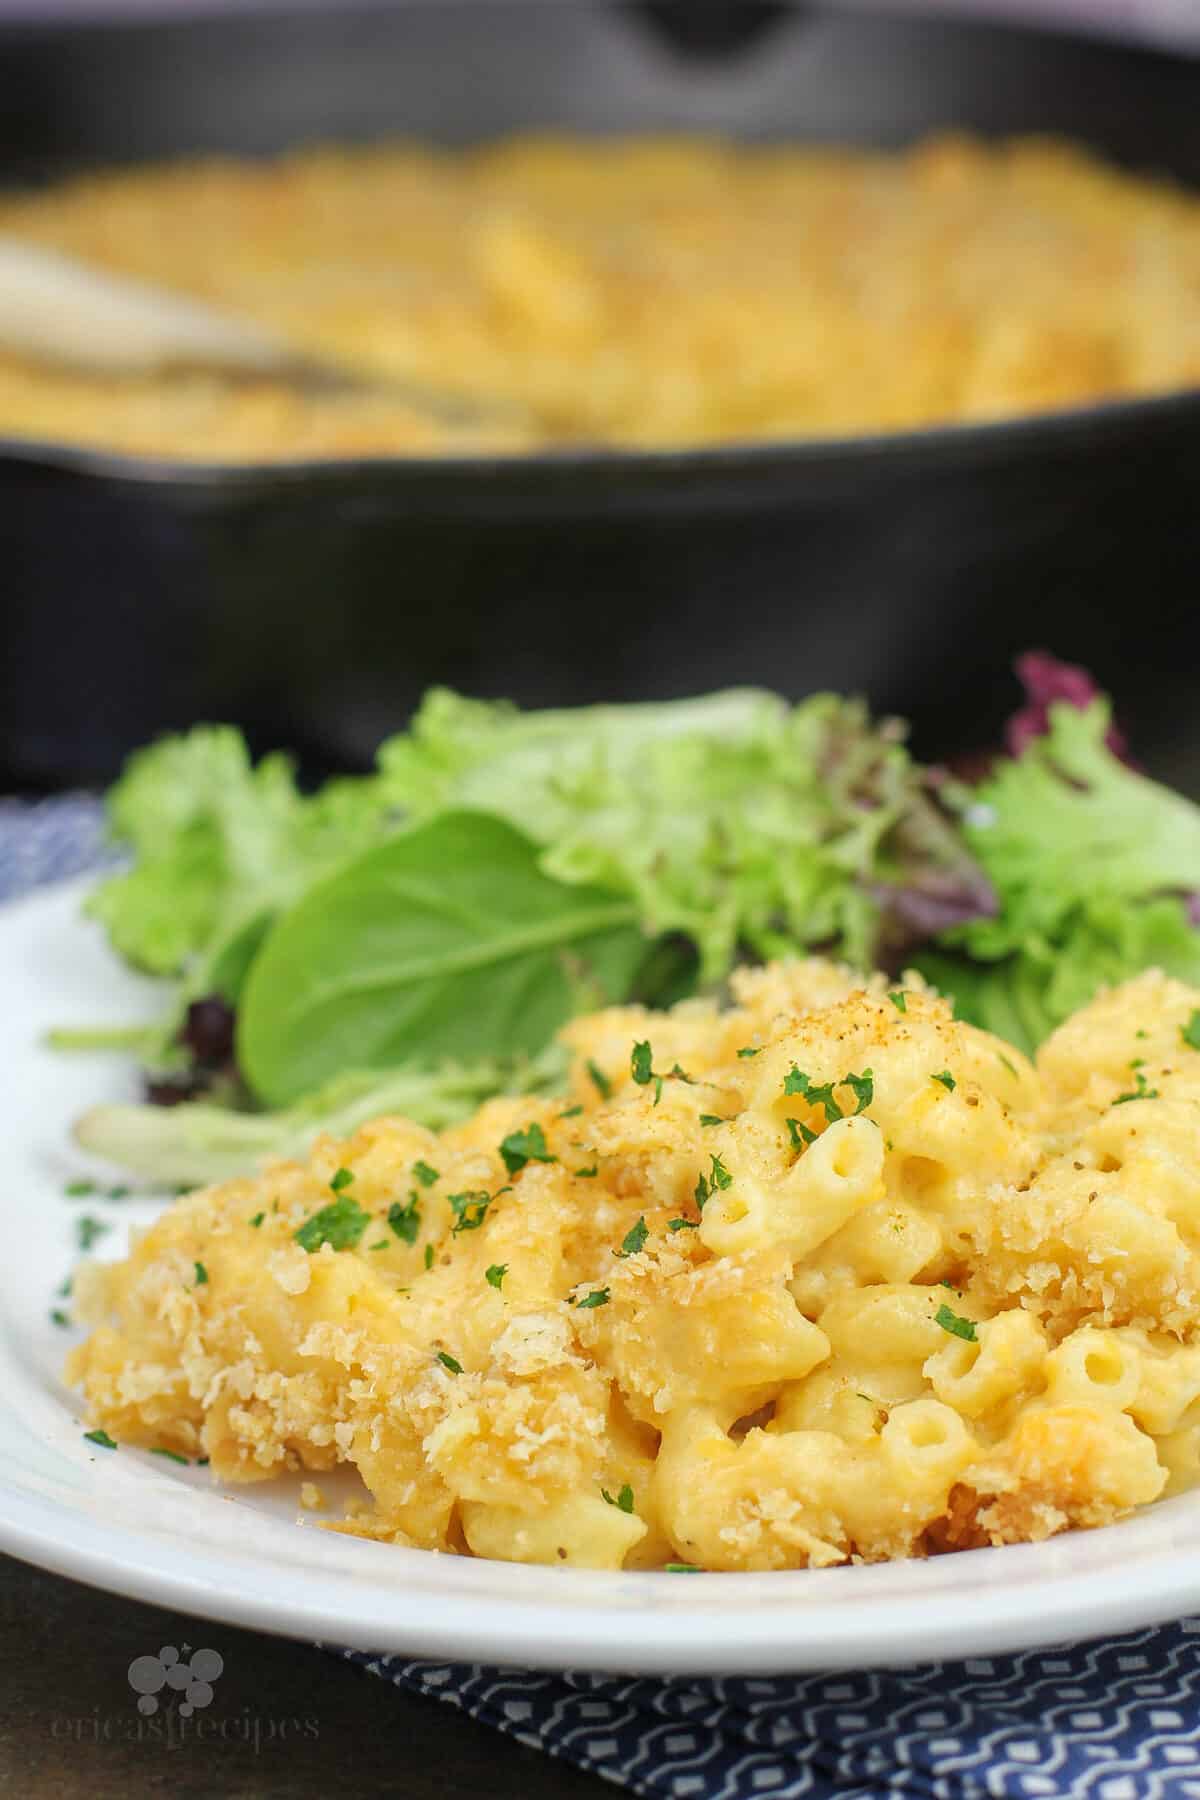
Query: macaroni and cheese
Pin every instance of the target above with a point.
(826, 1275)
(637, 291)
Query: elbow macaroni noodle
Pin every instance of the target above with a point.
(857, 1282)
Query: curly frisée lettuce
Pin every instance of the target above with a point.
(1094, 865)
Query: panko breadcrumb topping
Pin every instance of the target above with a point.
(812, 1278)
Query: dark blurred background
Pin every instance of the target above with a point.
(313, 605)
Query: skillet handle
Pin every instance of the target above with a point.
(713, 28)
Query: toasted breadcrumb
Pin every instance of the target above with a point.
(940, 1315)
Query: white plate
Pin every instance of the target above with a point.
(139, 1525)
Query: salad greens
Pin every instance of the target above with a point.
(219, 848)
(412, 939)
(444, 940)
(741, 822)
(200, 1141)
(1095, 866)
(217, 843)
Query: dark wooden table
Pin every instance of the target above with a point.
(297, 1721)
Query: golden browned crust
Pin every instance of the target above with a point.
(646, 292)
(966, 1312)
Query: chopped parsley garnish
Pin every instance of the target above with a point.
(470, 1209)
(340, 1225)
(449, 1362)
(864, 1089)
(257, 1220)
(59, 1317)
(429, 1256)
(202, 1462)
(712, 1119)
(947, 1080)
(571, 1112)
(682, 1569)
(622, 1501)
(79, 1190)
(707, 1185)
(634, 1239)
(956, 1326)
(602, 1083)
(379, 1244)
(800, 1134)
(424, 1174)
(597, 1297)
(405, 1220)
(495, 1275)
(1190, 1032)
(122, 1193)
(750, 1050)
(201, 1274)
(341, 1178)
(899, 999)
(1139, 1092)
(88, 1229)
(797, 1082)
(1008, 1065)
(172, 1455)
(683, 1224)
(821, 1094)
(100, 1437)
(521, 1147)
(641, 1068)
(587, 1174)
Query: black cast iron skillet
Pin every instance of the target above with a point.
(313, 603)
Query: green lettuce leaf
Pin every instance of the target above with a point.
(197, 1142)
(1092, 864)
(735, 819)
(730, 825)
(448, 941)
(1024, 996)
(1067, 822)
(217, 842)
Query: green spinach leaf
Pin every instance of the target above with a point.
(447, 941)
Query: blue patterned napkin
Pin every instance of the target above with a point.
(1118, 1720)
